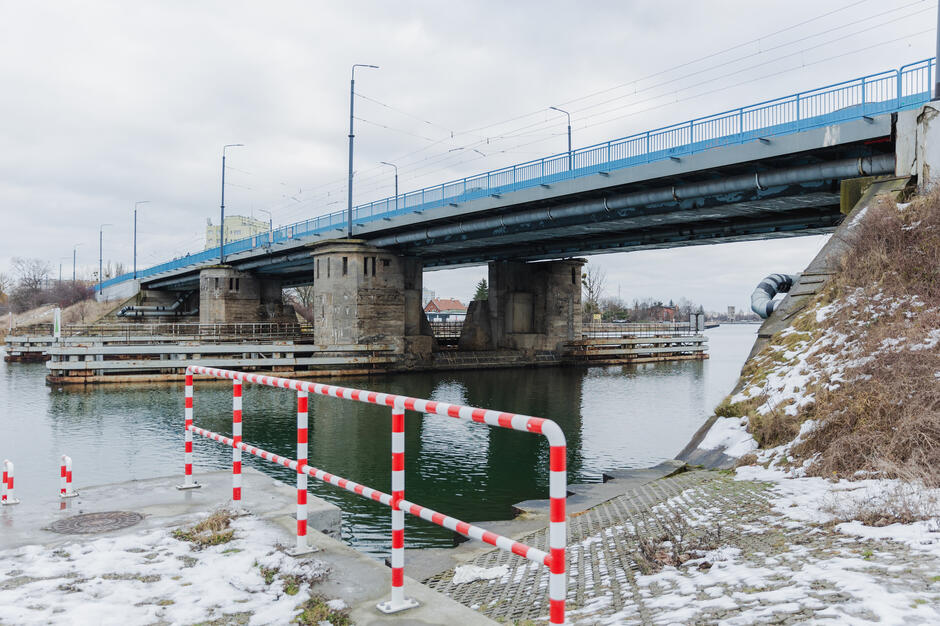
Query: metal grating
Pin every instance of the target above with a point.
(93, 523)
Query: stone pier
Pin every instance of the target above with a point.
(363, 294)
(531, 307)
(227, 295)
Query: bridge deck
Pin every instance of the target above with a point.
(834, 122)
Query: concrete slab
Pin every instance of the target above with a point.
(362, 583)
(161, 504)
(358, 580)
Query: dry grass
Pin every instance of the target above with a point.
(886, 418)
(212, 531)
(676, 543)
(315, 611)
(905, 502)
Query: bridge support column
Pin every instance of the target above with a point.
(917, 144)
(227, 295)
(368, 295)
(531, 307)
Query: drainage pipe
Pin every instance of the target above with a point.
(762, 300)
(844, 168)
(157, 311)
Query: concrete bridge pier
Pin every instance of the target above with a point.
(368, 295)
(227, 295)
(531, 307)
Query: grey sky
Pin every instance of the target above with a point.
(106, 103)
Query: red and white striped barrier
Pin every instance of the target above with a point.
(188, 482)
(554, 559)
(65, 478)
(237, 436)
(6, 488)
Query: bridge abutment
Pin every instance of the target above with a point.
(531, 307)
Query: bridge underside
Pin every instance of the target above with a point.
(812, 212)
(772, 187)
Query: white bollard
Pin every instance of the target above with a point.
(6, 488)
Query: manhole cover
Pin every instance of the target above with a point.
(91, 523)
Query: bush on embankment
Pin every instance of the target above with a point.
(863, 361)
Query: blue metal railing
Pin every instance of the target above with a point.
(885, 92)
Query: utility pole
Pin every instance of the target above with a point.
(936, 66)
(222, 223)
(101, 256)
(569, 134)
(74, 249)
(352, 94)
(270, 225)
(136, 204)
(396, 181)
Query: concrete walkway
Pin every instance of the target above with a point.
(765, 568)
(44, 574)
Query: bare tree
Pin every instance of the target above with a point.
(303, 295)
(6, 284)
(30, 273)
(592, 281)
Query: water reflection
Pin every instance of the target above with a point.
(613, 417)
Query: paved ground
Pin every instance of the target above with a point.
(765, 568)
(143, 575)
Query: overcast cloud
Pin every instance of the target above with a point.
(106, 103)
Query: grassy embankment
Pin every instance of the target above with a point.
(862, 361)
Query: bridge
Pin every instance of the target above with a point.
(771, 169)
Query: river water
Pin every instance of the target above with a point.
(613, 417)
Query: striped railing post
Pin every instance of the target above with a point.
(7, 496)
(237, 437)
(557, 532)
(188, 482)
(65, 478)
(303, 547)
(398, 601)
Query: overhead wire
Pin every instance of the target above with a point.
(450, 159)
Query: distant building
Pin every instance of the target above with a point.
(427, 295)
(661, 313)
(236, 227)
(445, 310)
(731, 312)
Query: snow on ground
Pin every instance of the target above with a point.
(729, 434)
(827, 354)
(150, 577)
(822, 501)
(469, 573)
(814, 569)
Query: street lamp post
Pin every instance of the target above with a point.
(136, 204)
(396, 181)
(270, 225)
(222, 216)
(569, 133)
(74, 249)
(101, 256)
(352, 92)
(936, 67)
